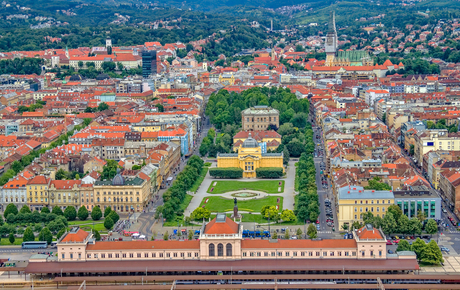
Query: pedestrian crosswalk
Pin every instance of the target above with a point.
(325, 232)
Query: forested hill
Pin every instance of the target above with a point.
(89, 25)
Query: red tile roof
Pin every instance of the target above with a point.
(79, 236)
(285, 244)
(228, 227)
(143, 245)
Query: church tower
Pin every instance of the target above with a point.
(330, 45)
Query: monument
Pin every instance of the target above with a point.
(235, 214)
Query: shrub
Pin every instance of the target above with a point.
(96, 213)
(82, 213)
(229, 172)
(108, 223)
(269, 172)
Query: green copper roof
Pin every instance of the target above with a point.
(352, 55)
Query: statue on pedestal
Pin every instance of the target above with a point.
(235, 214)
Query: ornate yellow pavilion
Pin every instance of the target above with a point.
(249, 158)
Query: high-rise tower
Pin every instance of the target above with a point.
(330, 45)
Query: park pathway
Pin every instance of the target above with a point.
(288, 194)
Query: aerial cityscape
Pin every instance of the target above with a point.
(230, 144)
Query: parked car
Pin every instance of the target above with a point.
(389, 242)
(390, 252)
(396, 241)
(445, 249)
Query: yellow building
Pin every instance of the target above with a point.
(37, 192)
(355, 201)
(249, 158)
(271, 139)
(227, 79)
(123, 195)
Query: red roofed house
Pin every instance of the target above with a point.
(272, 138)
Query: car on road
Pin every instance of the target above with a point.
(444, 210)
(389, 242)
(444, 249)
(397, 241)
(318, 227)
(390, 252)
(317, 221)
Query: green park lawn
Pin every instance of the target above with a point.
(86, 222)
(219, 204)
(268, 186)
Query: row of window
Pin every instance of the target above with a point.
(117, 199)
(138, 255)
(372, 202)
(300, 254)
(367, 209)
(261, 119)
(361, 216)
(116, 193)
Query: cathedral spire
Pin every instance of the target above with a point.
(331, 23)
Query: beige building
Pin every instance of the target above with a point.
(123, 195)
(222, 239)
(259, 118)
(64, 193)
(433, 140)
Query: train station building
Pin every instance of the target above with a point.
(221, 247)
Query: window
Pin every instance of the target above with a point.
(189, 255)
(63, 256)
(161, 255)
(102, 256)
(318, 254)
(138, 255)
(356, 209)
(229, 249)
(273, 254)
(182, 255)
(310, 254)
(87, 256)
(279, 254)
(117, 255)
(175, 255)
(220, 250)
(356, 217)
(383, 209)
(325, 254)
(211, 250)
(244, 254)
(294, 254)
(131, 255)
(331, 254)
(146, 255)
(346, 254)
(302, 254)
(168, 255)
(71, 256)
(287, 254)
(124, 255)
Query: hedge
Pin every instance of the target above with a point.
(269, 172)
(229, 172)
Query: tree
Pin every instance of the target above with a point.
(45, 235)
(311, 231)
(288, 215)
(431, 227)
(97, 235)
(389, 224)
(28, 235)
(190, 235)
(269, 212)
(82, 213)
(432, 254)
(45, 210)
(299, 233)
(160, 107)
(108, 223)
(109, 50)
(166, 236)
(286, 156)
(60, 233)
(395, 210)
(415, 226)
(25, 209)
(107, 211)
(200, 213)
(421, 215)
(16, 166)
(286, 235)
(299, 120)
(403, 225)
(102, 107)
(10, 208)
(57, 210)
(345, 227)
(60, 174)
(70, 213)
(96, 213)
(418, 247)
(114, 216)
(403, 245)
(11, 238)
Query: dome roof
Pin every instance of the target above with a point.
(250, 142)
(102, 76)
(118, 180)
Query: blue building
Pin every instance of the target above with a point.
(180, 134)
